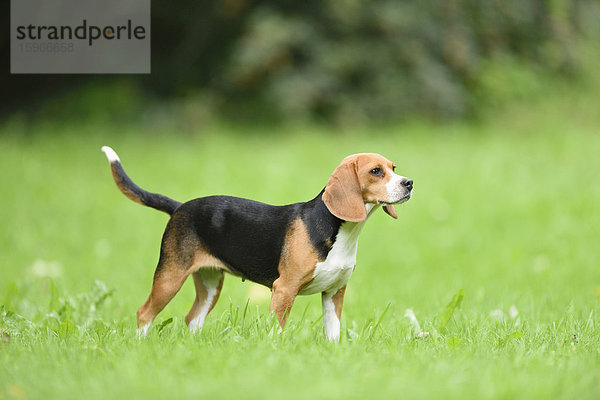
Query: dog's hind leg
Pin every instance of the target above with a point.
(208, 283)
(176, 263)
(168, 279)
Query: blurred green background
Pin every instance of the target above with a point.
(342, 62)
(492, 107)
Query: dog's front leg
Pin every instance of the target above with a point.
(332, 313)
(282, 299)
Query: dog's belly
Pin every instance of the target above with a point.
(328, 278)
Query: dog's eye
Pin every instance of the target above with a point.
(376, 172)
(394, 168)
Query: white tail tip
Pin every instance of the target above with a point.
(110, 154)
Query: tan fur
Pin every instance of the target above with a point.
(373, 188)
(203, 259)
(178, 260)
(201, 296)
(338, 301)
(296, 269)
(343, 195)
(351, 186)
(166, 284)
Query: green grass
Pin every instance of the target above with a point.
(506, 210)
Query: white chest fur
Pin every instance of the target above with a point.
(333, 273)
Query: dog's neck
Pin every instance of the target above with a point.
(351, 230)
(324, 226)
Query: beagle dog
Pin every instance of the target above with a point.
(296, 249)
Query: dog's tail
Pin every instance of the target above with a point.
(133, 191)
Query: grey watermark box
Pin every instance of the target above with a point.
(80, 37)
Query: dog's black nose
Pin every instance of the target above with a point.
(407, 183)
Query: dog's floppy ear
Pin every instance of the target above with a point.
(390, 210)
(343, 195)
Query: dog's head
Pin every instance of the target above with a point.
(362, 179)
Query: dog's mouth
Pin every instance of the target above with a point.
(403, 199)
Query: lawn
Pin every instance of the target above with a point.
(496, 255)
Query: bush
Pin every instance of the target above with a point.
(352, 60)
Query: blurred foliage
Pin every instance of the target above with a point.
(345, 61)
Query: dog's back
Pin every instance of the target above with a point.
(246, 235)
